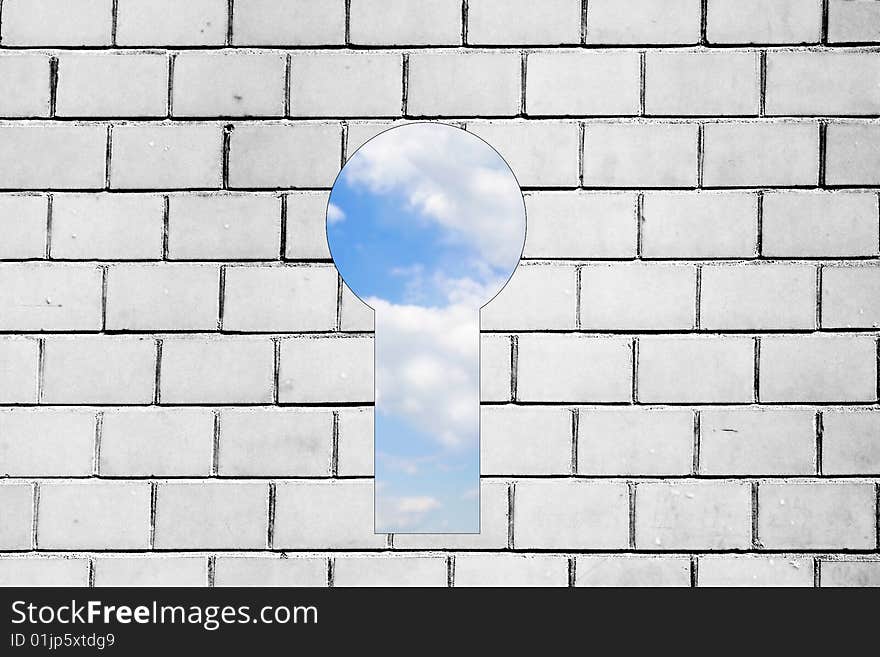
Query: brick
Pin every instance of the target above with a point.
(44, 571)
(354, 314)
(699, 225)
(275, 442)
(758, 154)
(695, 369)
(17, 500)
(94, 515)
(398, 22)
(107, 226)
(637, 296)
(18, 370)
(818, 368)
(757, 442)
(853, 154)
(850, 573)
(463, 83)
(807, 224)
(230, 83)
(151, 571)
(635, 442)
(559, 513)
(853, 21)
(23, 226)
(169, 23)
(328, 83)
(147, 442)
(24, 85)
(584, 82)
(224, 227)
(632, 570)
(764, 21)
(540, 153)
(165, 156)
(495, 368)
(580, 225)
(525, 440)
(810, 83)
(290, 23)
(574, 368)
(676, 83)
(217, 370)
(355, 442)
(382, 570)
(43, 156)
(47, 297)
(500, 22)
(284, 155)
(851, 297)
(493, 526)
(753, 570)
(287, 298)
(510, 570)
(640, 155)
(270, 571)
(710, 515)
(849, 444)
(47, 442)
(162, 297)
(138, 81)
(758, 297)
(326, 370)
(816, 515)
(535, 297)
(99, 370)
(221, 515)
(307, 226)
(643, 21)
(57, 22)
(301, 520)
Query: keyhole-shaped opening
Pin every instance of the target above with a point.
(426, 224)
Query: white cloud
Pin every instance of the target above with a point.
(421, 504)
(405, 512)
(334, 214)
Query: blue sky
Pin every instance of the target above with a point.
(426, 223)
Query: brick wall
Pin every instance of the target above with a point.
(680, 382)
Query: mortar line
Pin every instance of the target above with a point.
(701, 138)
(762, 83)
(643, 65)
(699, 297)
(221, 298)
(704, 22)
(695, 571)
(698, 431)
(212, 570)
(114, 23)
(287, 90)
(91, 573)
(1, 21)
(817, 572)
(578, 283)
(757, 370)
(99, 435)
(53, 86)
(166, 224)
(823, 39)
(50, 216)
(823, 150)
(464, 22)
(514, 366)
(270, 523)
(820, 269)
(756, 540)
(878, 221)
(108, 157)
(523, 75)
(104, 277)
(227, 139)
(276, 370)
(230, 14)
(572, 571)
(347, 22)
(157, 397)
(635, 370)
(631, 489)
(877, 392)
(283, 236)
(169, 100)
(450, 571)
(575, 430)
(640, 220)
(339, 284)
(389, 541)
(511, 508)
(582, 130)
(877, 514)
(820, 435)
(330, 574)
(584, 10)
(215, 445)
(35, 516)
(334, 446)
(41, 368)
(344, 144)
(759, 243)
(154, 491)
(404, 85)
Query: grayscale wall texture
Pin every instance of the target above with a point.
(680, 382)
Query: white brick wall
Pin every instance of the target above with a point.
(686, 360)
